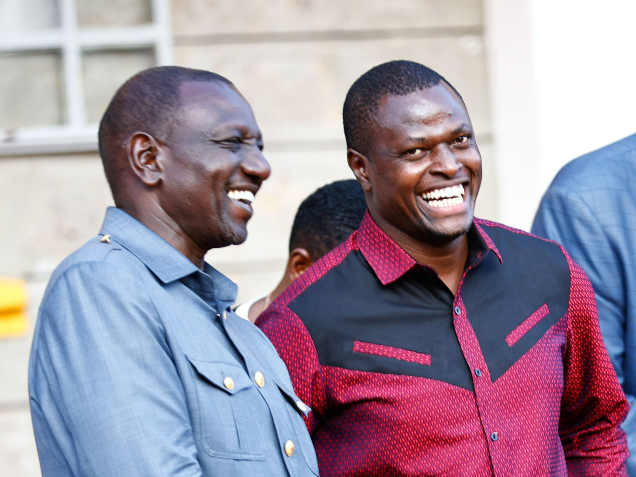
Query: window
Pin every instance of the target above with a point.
(62, 60)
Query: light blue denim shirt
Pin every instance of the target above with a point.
(139, 368)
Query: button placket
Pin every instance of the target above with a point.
(481, 375)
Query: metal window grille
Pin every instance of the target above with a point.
(77, 133)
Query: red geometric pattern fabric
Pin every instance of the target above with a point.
(555, 412)
(391, 352)
(516, 334)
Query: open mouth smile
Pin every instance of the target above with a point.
(244, 196)
(445, 197)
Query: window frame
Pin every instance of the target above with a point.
(76, 134)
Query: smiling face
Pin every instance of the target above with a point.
(214, 165)
(423, 167)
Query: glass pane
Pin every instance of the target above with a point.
(32, 89)
(28, 15)
(112, 13)
(105, 71)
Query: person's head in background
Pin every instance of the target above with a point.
(323, 221)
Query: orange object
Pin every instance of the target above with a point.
(13, 307)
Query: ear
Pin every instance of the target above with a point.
(360, 165)
(299, 261)
(145, 158)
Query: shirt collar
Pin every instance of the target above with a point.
(484, 242)
(165, 261)
(389, 261)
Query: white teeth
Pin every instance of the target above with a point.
(446, 202)
(452, 194)
(241, 195)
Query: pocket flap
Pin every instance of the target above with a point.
(228, 377)
(527, 324)
(391, 352)
(294, 400)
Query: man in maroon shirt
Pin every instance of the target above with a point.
(435, 343)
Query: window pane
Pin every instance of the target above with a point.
(112, 13)
(32, 90)
(28, 15)
(105, 71)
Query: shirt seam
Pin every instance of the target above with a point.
(53, 286)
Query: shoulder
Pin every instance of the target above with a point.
(99, 278)
(98, 261)
(607, 165)
(525, 249)
(504, 235)
(285, 321)
(316, 273)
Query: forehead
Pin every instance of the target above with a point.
(214, 104)
(433, 106)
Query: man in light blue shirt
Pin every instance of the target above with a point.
(138, 366)
(590, 208)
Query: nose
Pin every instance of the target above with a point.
(255, 165)
(445, 161)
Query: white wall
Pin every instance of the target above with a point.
(563, 79)
(585, 73)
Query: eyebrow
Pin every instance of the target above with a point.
(234, 129)
(464, 127)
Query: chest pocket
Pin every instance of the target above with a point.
(228, 406)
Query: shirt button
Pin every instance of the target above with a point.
(494, 436)
(259, 379)
(301, 406)
(105, 239)
(228, 383)
(457, 310)
(289, 448)
(478, 372)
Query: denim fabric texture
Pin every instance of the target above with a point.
(590, 208)
(140, 368)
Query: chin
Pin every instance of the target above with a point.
(441, 236)
(232, 234)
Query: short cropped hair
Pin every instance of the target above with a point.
(398, 78)
(147, 102)
(327, 217)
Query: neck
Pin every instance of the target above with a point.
(157, 220)
(448, 259)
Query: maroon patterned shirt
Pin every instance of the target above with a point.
(509, 377)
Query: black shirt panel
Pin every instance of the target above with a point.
(415, 312)
(500, 296)
(349, 303)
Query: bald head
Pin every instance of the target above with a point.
(148, 102)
